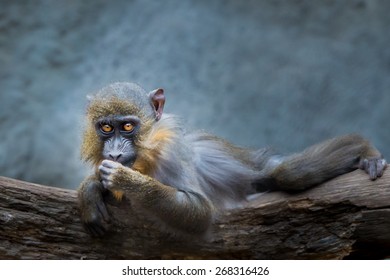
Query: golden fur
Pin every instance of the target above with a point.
(149, 147)
(153, 147)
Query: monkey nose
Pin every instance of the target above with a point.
(115, 156)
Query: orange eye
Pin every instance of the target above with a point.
(128, 127)
(106, 128)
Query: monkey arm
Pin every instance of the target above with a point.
(91, 204)
(185, 210)
(322, 162)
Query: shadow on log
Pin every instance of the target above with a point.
(345, 218)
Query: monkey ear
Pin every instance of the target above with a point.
(158, 100)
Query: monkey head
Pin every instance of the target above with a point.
(117, 117)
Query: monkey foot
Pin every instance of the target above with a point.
(373, 166)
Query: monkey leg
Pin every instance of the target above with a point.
(93, 211)
(320, 163)
(186, 211)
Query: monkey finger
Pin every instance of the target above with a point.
(95, 229)
(372, 169)
(375, 167)
(103, 177)
(105, 170)
(103, 211)
(110, 164)
(104, 180)
(381, 166)
(107, 183)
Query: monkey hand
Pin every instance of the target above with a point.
(116, 177)
(93, 210)
(373, 166)
(108, 169)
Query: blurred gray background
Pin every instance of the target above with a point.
(275, 73)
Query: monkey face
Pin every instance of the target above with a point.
(118, 134)
(119, 116)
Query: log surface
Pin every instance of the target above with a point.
(345, 218)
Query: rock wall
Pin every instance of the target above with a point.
(259, 73)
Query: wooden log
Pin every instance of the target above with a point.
(347, 217)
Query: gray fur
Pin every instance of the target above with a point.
(200, 163)
(173, 165)
(125, 91)
(131, 92)
(223, 178)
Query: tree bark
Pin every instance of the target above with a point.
(347, 217)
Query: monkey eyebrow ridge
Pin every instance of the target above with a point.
(119, 119)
